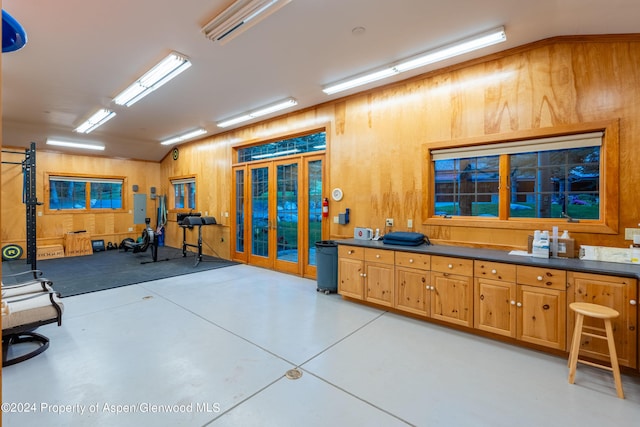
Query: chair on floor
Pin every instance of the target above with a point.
(583, 309)
(26, 306)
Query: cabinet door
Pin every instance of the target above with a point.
(452, 298)
(495, 307)
(618, 293)
(412, 290)
(542, 316)
(379, 284)
(351, 281)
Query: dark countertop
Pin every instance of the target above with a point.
(573, 264)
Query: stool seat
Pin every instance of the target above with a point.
(594, 310)
(604, 313)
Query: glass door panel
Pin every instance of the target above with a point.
(287, 208)
(260, 219)
(314, 228)
(239, 210)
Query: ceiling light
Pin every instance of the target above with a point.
(464, 46)
(75, 145)
(184, 137)
(239, 17)
(96, 120)
(161, 73)
(290, 102)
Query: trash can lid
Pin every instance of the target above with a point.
(326, 243)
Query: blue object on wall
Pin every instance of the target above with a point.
(13, 35)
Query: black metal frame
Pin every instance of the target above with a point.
(29, 198)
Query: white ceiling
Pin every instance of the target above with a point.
(81, 53)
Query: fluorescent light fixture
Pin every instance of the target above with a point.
(184, 137)
(290, 102)
(479, 41)
(239, 17)
(160, 74)
(100, 117)
(75, 145)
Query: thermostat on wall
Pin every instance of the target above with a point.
(336, 194)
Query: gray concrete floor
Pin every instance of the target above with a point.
(214, 348)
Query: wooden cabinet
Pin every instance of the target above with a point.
(541, 304)
(351, 271)
(413, 279)
(366, 274)
(379, 277)
(522, 302)
(452, 293)
(495, 298)
(619, 293)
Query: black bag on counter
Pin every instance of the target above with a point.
(405, 238)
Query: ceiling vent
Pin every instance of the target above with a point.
(239, 17)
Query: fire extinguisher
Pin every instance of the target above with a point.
(325, 208)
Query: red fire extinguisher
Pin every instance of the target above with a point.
(325, 208)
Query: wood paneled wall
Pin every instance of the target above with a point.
(375, 138)
(52, 226)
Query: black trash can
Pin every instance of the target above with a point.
(327, 266)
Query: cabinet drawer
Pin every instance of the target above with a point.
(494, 270)
(351, 252)
(379, 255)
(452, 265)
(408, 259)
(542, 277)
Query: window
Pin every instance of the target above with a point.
(286, 147)
(184, 193)
(559, 177)
(83, 193)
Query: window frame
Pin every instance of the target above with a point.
(608, 222)
(87, 179)
(183, 180)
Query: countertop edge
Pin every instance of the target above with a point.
(572, 264)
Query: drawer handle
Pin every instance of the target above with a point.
(377, 255)
(519, 304)
(540, 278)
(410, 260)
(450, 265)
(633, 302)
(349, 253)
(513, 302)
(494, 271)
(545, 307)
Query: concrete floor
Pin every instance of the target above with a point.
(214, 348)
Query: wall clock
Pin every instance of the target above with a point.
(336, 194)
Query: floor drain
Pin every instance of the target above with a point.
(293, 374)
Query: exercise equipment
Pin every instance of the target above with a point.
(29, 197)
(148, 239)
(187, 222)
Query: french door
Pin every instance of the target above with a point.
(277, 211)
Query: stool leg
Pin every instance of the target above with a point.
(614, 358)
(575, 347)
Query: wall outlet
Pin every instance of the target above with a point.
(409, 223)
(336, 220)
(389, 222)
(629, 233)
(130, 228)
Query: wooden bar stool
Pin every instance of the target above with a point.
(583, 309)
